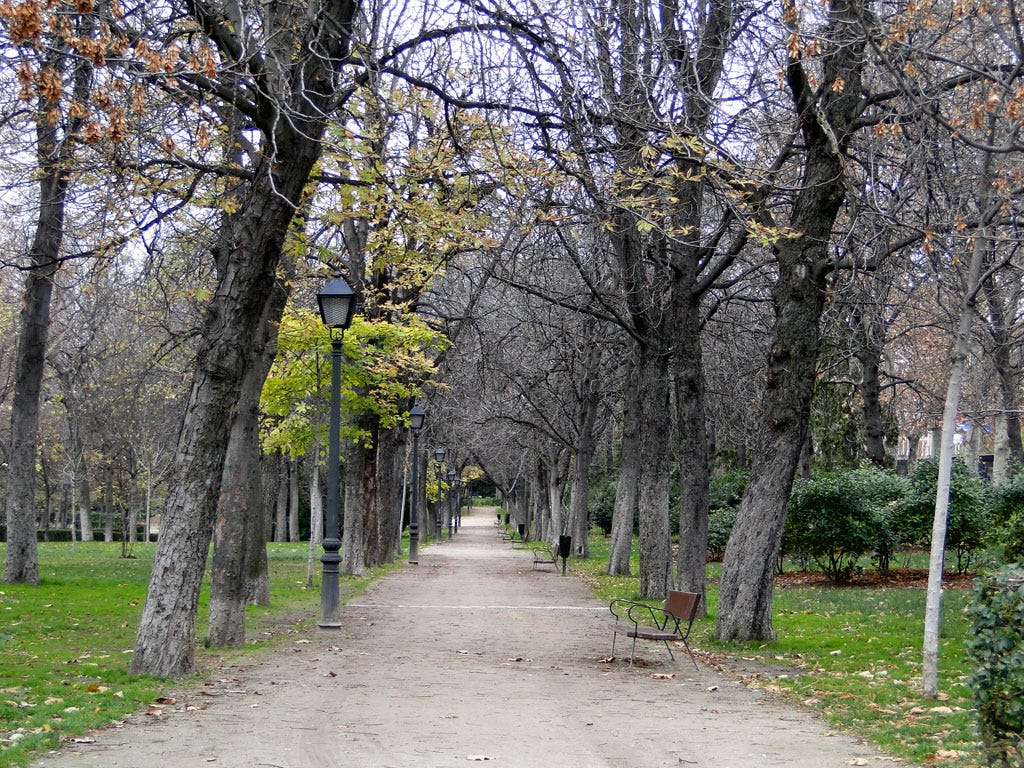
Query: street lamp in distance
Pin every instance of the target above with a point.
(438, 522)
(458, 502)
(416, 418)
(337, 303)
(451, 499)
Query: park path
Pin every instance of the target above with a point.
(472, 656)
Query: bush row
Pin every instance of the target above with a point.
(64, 534)
(836, 518)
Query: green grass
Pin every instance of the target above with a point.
(65, 646)
(850, 654)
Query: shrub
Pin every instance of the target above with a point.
(968, 513)
(727, 489)
(995, 650)
(1007, 515)
(601, 503)
(830, 523)
(882, 492)
(720, 522)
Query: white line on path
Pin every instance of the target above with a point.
(480, 607)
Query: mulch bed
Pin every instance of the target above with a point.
(911, 578)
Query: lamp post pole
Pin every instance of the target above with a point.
(416, 418)
(451, 494)
(337, 305)
(439, 521)
(458, 503)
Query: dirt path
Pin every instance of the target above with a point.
(471, 656)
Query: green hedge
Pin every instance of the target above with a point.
(995, 650)
(64, 534)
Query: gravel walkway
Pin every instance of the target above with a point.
(471, 656)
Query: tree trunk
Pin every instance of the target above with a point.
(539, 504)
(694, 455)
(166, 641)
(627, 485)
(54, 158)
(556, 466)
(383, 536)
(84, 502)
(239, 498)
(291, 116)
(108, 504)
(281, 501)
(958, 364)
(294, 534)
(586, 444)
(359, 477)
(22, 560)
(316, 512)
(655, 535)
(745, 593)
(826, 120)
(869, 355)
(239, 537)
(1004, 355)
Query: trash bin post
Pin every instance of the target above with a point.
(564, 548)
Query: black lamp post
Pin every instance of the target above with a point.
(438, 458)
(451, 494)
(337, 305)
(416, 418)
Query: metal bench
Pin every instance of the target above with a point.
(672, 621)
(545, 556)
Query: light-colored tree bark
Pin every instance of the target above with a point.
(958, 364)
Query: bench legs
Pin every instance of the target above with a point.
(668, 648)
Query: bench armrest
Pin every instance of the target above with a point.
(651, 615)
(621, 607)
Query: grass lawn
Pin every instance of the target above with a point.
(851, 654)
(65, 645)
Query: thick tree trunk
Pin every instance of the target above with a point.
(694, 454)
(22, 562)
(826, 119)
(239, 498)
(869, 355)
(383, 537)
(655, 535)
(745, 592)
(165, 645)
(359, 480)
(290, 113)
(627, 484)
(1005, 358)
(586, 444)
(239, 537)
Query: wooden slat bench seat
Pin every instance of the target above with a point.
(671, 622)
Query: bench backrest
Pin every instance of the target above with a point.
(682, 605)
